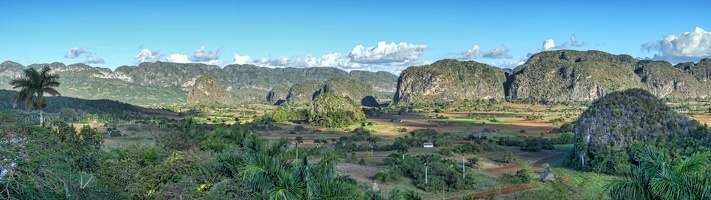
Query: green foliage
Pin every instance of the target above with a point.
(523, 175)
(473, 162)
(388, 175)
(269, 173)
(610, 131)
(284, 114)
(84, 145)
(440, 173)
(508, 157)
(658, 177)
(44, 163)
(563, 138)
(329, 110)
(32, 87)
(526, 143)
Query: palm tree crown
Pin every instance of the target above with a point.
(32, 87)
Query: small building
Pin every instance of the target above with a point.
(427, 145)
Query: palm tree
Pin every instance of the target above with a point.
(658, 177)
(299, 140)
(33, 85)
(426, 160)
(402, 149)
(269, 172)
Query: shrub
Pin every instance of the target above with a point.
(473, 162)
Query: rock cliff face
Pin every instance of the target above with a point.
(206, 91)
(278, 94)
(568, 75)
(449, 80)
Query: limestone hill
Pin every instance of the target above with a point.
(449, 80)
(606, 133)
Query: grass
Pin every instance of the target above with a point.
(590, 184)
(468, 121)
(564, 147)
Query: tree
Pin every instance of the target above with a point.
(508, 157)
(658, 177)
(298, 140)
(32, 87)
(270, 175)
(402, 149)
(372, 140)
(426, 160)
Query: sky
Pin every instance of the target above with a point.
(351, 35)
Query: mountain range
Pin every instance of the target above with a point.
(548, 76)
(553, 76)
(164, 83)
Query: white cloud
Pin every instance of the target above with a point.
(689, 46)
(498, 53)
(273, 62)
(177, 58)
(387, 54)
(94, 60)
(336, 60)
(509, 64)
(548, 44)
(91, 58)
(147, 56)
(204, 56)
(574, 42)
(241, 60)
(470, 54)
(76, 52)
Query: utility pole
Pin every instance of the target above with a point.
(463, 176)
(426, 173)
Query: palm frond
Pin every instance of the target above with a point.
(693, 163)
(51, 91)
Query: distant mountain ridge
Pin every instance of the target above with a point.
(162, 83)
(549, 76)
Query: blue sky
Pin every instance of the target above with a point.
(367, 35)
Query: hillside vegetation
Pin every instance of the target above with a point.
(354, 89)
(449, 80)
(568, 75)
(615, 128)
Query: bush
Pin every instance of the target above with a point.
(523, 176)
(300, 128)
(361, 162)
(473, 162)
(445, 152)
